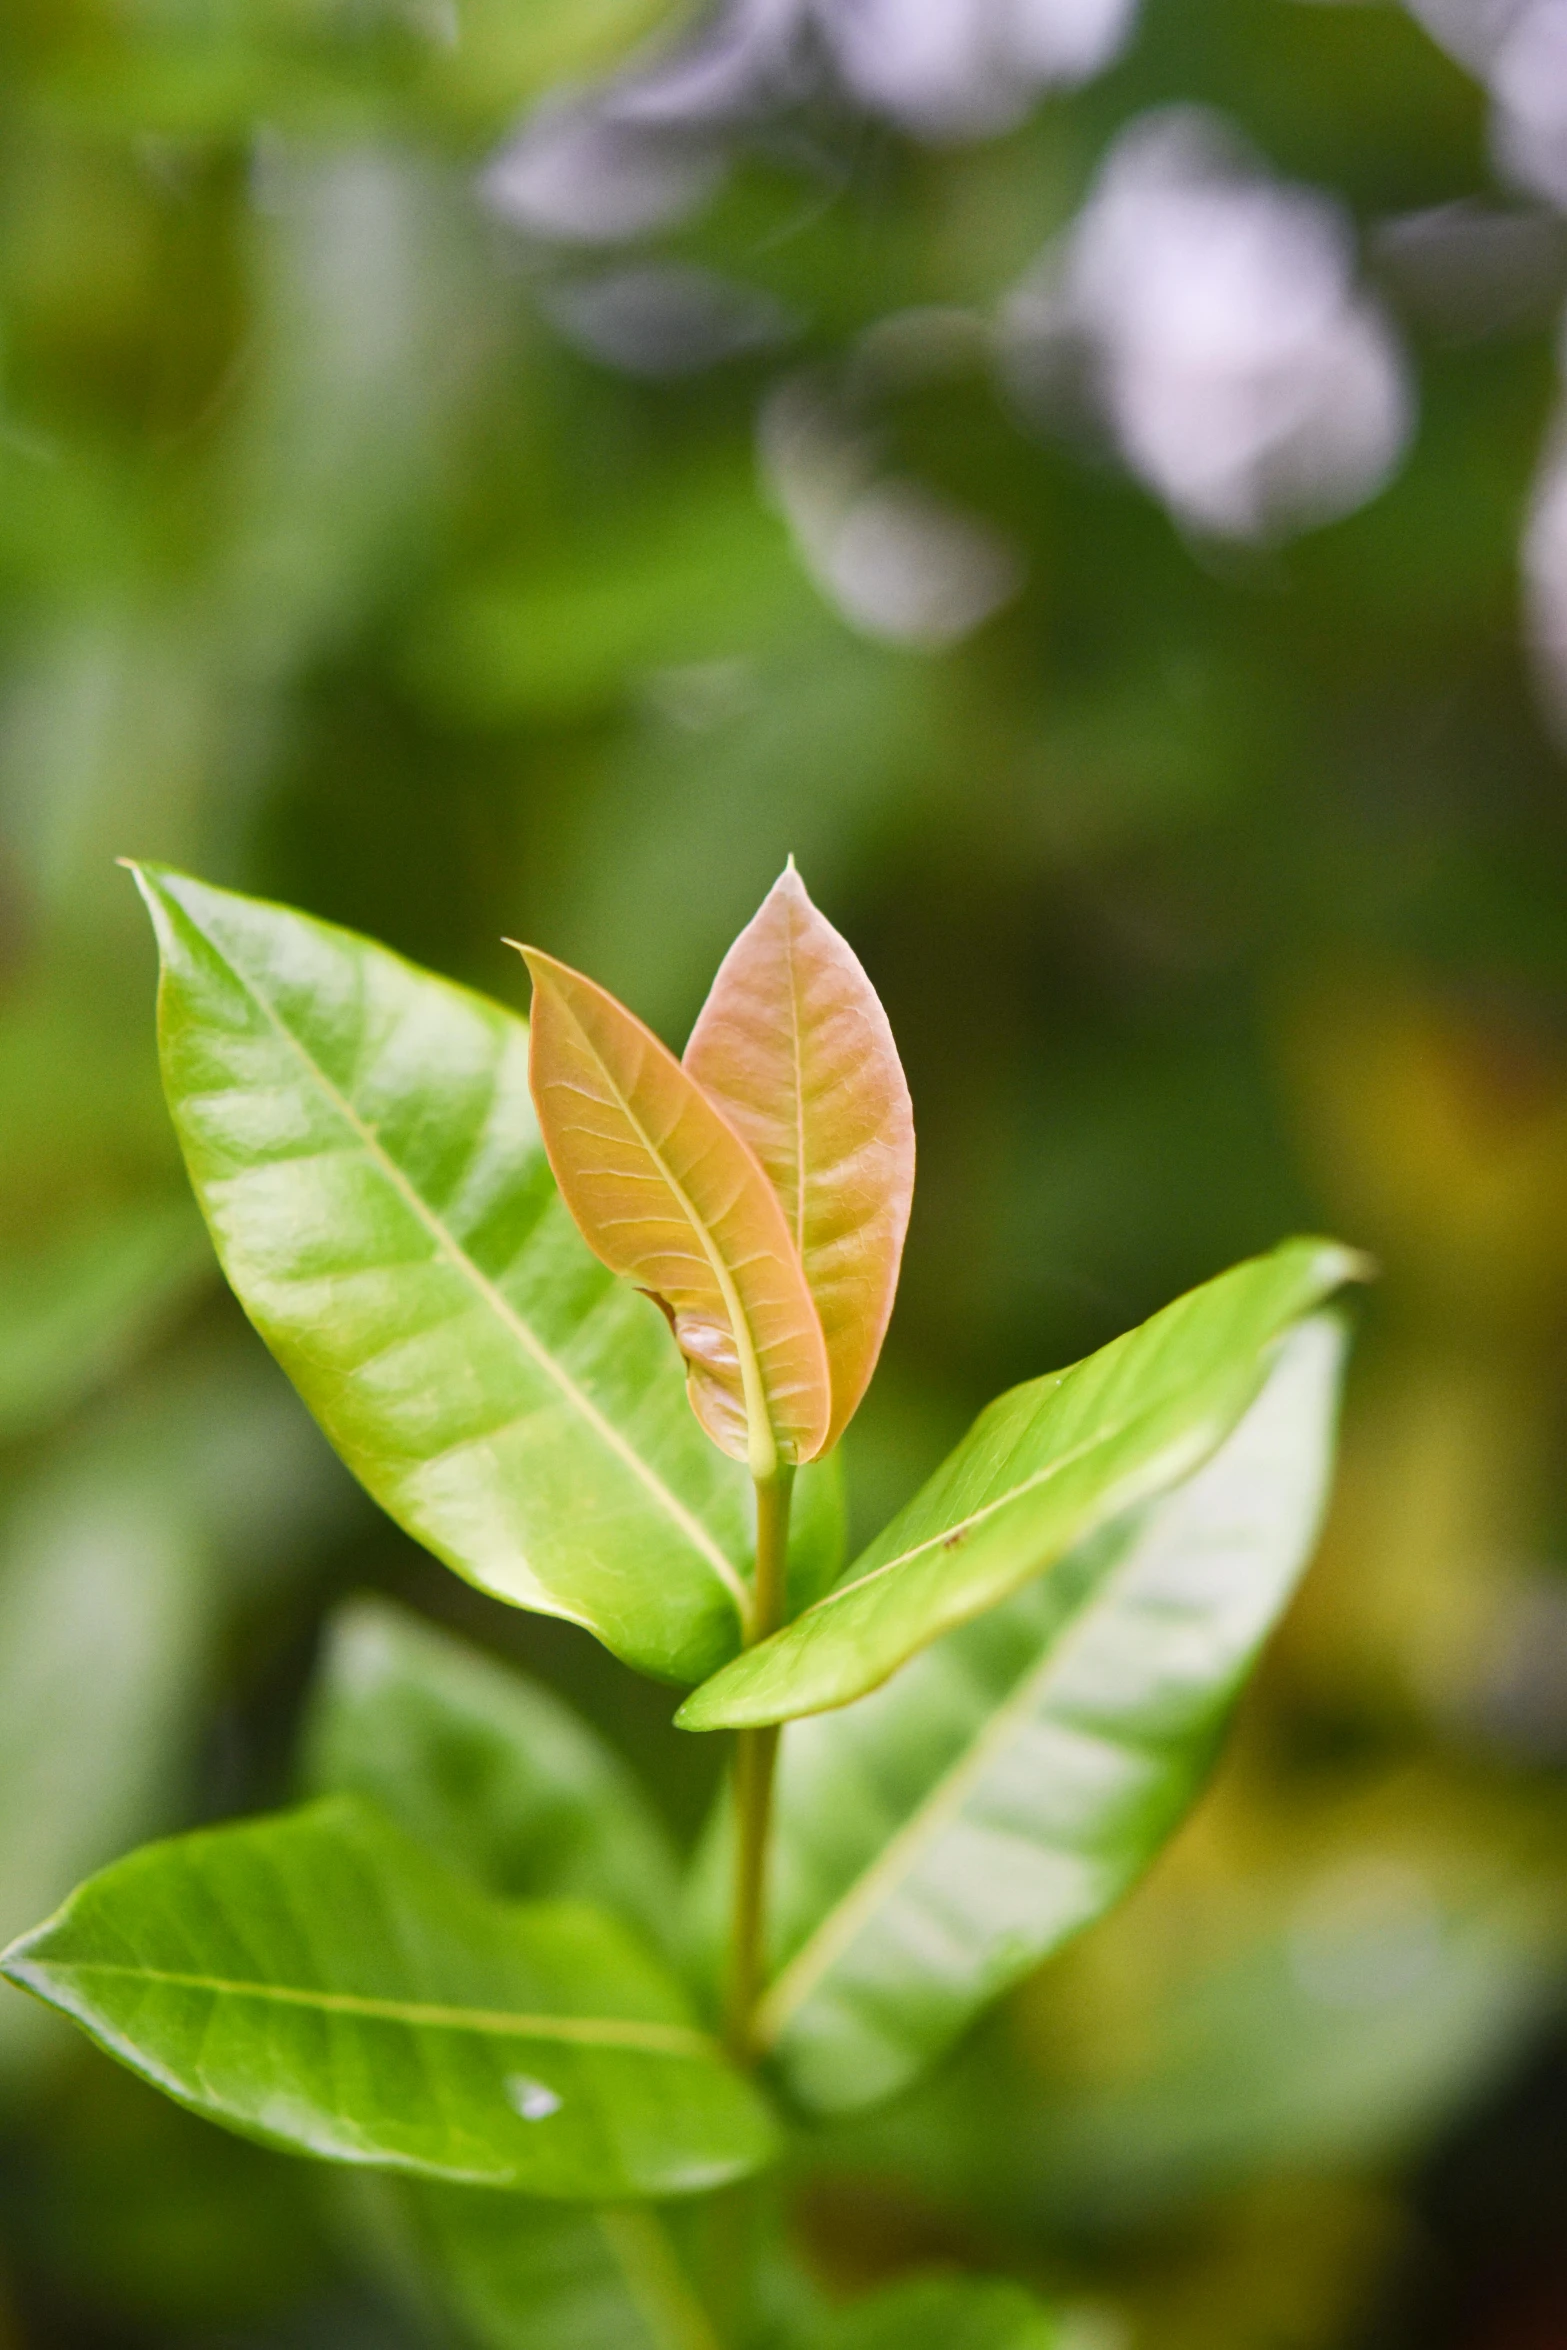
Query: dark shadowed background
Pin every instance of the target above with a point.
(1085, 478)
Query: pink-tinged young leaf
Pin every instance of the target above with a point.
(794, 1047)
(670, 1197)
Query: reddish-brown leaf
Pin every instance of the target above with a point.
(667, 1194)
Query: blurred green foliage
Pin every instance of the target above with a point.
(1212, 893)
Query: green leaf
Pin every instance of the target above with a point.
(1394, 1948)
(317, 1981)
(518, 2275)
(117, 1555)
(483, 1766)
(362, 1143)
(945, 2313)
(934, 1843)
(1041, 1469)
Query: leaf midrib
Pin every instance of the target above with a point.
(751, 1383)
(693, 1529)
(491, 2023)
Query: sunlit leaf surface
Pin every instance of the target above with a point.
(1038, 1472)
(669, 1196)
(795, 1048)
(939, 1839)
(485, 1767)
(362, 1142)
(317, 1981)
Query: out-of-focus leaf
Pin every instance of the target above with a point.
(945, 2313)
(795, 1048)
(72, 1311)
(116, 1559)
(106, 1609)
(483, 1766)
(317, 1981)
(1041, 1469)
(1356, 1971)
(519, 2275)
(937, 1840)
(361, 1140)
(695, 574)
(668, 1195)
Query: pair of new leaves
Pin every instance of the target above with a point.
(760, 1188)
(362, 1140)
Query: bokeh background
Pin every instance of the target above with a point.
(1086, 478)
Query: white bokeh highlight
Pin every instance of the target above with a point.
(1518, 48)
(1213, 317)
(896, 560)
(644, 151)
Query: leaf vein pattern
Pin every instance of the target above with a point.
(744, 1336)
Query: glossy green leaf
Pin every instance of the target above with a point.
(945, 2313)
(793, 1045)
(362, 1142)
(318, 1981)
(540, 2276)
(1041, 1469)
(934, 1843)
(668, 1195)
(483, 1766)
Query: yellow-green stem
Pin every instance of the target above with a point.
(755, 1755)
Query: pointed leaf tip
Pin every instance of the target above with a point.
(795, 1049)
(669, 1196)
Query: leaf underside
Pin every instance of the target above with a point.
(671, 1199)
(1041, 1470)
(362, 1142)
(318, 1982)
(935, 1842)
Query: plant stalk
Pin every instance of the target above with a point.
(755, 1757)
